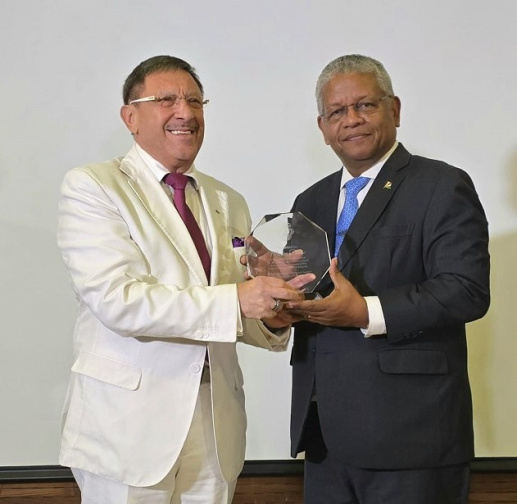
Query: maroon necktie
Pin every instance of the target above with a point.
(178, 182)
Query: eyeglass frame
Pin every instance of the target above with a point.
(162, 101)
(355, 105)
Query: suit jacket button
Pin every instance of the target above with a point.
(195, 368)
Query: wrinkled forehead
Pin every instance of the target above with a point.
(351, 86)
(177, 82)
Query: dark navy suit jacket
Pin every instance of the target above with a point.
(420, 243)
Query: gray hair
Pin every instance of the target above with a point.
(353, 63)
(135, 80)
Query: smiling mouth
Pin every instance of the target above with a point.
(180, 132)
(356, 137)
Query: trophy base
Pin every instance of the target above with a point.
(312, 296)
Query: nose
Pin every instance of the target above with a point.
(353, 117)
(182, 108)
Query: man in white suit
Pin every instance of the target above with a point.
(155, 408)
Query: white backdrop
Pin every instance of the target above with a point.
(63, 64)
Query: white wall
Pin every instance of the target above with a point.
(63, 64)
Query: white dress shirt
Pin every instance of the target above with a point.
(377, 324)
(193, 201)
(191, 193)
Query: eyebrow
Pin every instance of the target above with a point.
(161, 94)
(362, 97)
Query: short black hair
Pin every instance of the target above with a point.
(136, 78)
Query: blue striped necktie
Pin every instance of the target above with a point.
(350, 207)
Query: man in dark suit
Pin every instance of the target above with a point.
(381, 400)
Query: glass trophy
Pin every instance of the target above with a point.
(286, 245)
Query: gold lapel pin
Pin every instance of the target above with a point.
(387, 185)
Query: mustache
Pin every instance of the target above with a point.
(192, 125)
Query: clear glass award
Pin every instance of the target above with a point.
(286, 245)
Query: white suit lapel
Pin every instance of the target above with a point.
(153, 197)
(215, 205)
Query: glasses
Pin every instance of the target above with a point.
(169, 101)
(361, 107)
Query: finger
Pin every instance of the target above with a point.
(302, 305)
(333, 270)
(271, 287)
(288, 317)
(301, 280)
(309, 307)
(268, 310)
(295, 255)
(298, 314)
(288, 294)
(335, 275)
(256, 245)
(302, 315)
(282, 319)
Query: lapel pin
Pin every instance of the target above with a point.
(387, 185)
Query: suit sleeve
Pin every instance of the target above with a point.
(257, 334)
(455, 261)
(113, 278)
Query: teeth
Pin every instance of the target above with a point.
(176, 132)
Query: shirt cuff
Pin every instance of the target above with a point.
(377, 323)
(240, 327)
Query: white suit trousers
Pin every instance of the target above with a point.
(195, 478)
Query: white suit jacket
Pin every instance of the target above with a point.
(146, 317)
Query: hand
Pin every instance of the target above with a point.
(344, 307)
(283, 319)
(264, 262)
(258, 297)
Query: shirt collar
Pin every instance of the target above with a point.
(373, 171)
(159, 171)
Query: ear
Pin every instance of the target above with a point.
(396, 106)
(321, 126)
(129, 115)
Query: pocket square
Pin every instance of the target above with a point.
(237, 241)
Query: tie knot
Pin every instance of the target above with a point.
(353, 186)
(178, 181)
